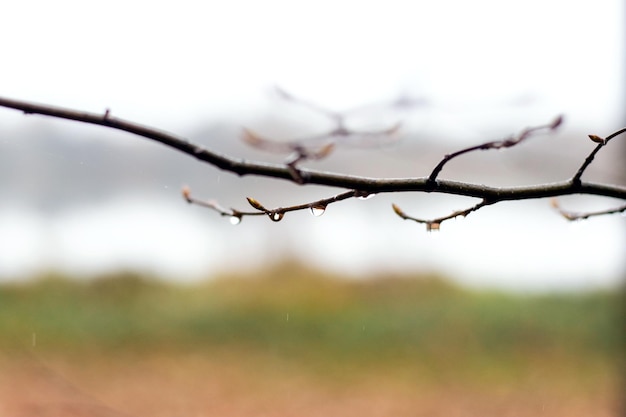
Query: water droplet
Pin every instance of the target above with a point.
(234, 219)
(366, 196)
(433, 227)
(318, 210)
(276, 216)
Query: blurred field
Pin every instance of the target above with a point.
(294, 341)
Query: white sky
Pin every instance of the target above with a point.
(172, 64)
(169, 63)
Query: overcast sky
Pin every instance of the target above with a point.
(169, 63)
(179, 64)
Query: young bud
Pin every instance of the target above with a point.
(251, 138)
(325, 151)
(186, 193)
(554, 203)
(256, 204)
(597, 139)
(398, 211)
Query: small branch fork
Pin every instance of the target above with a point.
(357, 186)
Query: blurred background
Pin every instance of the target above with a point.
(80, 202)
(83, 199)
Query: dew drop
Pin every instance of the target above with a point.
(276, 216)
(318, 210)
(433, 227)
(366, 196)
(235, 220)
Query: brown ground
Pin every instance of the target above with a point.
(194, 385)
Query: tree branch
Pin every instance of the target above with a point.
(497, 144)
(601, 143)
(435, 224)
(357, 185)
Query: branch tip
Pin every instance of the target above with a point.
(557, 122)
(398, 210)
(250, 137)
(186, 191)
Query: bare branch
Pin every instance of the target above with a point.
(570, 215)
(317, 208)
(357, 185)
(235, 215)
(497, 144)
(601, 143)
(319, 146)
(435, 224)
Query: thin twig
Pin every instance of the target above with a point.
(277, 214)
(235, 215)
(497, 144)
(601, 142)
(435, 224)
(318, 146)
(570, 215)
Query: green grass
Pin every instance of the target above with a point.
(309, 317)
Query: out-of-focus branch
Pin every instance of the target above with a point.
(570, 215)
(357, 185)
(321, 145)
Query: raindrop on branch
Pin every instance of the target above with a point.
(318, 210)
(433, 227)
(276, 216)
(235, 219)
(366, 196)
